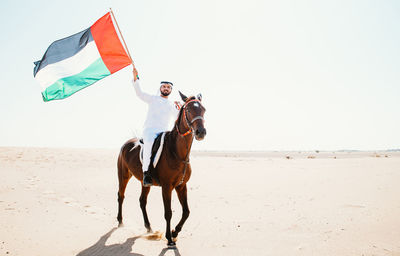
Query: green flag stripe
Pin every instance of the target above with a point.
(67, 86)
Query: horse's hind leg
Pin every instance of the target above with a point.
(182, 195)
(123, 178)
(143, 203)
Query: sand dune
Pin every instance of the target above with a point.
(64, 202)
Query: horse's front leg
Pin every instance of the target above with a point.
(181, 191)
(166, 192)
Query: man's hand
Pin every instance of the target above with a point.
(135, 74)
(177, 105)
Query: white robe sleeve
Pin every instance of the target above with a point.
(142, 95)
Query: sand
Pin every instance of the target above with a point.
(64, 202)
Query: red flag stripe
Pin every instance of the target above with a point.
(110, 47)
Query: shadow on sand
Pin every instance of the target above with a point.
(101, 249)
(165, 250)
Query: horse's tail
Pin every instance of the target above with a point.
(127, 147)
(124, 173)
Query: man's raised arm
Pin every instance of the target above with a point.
(142, 95)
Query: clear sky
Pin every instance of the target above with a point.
(275, 75)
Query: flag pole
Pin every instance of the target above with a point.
(123, 40)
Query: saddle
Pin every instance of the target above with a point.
(155, 151)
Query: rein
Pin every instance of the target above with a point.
(186, 161)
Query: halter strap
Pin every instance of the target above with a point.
(196, 118)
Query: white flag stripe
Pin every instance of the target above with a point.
(68, 67)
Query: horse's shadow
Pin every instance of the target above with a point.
(164, 251)
(101, 249)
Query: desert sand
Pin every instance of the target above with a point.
(64, 202)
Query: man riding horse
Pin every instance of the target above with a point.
(160, 113)
(173, 169)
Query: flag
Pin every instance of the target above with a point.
(75, 62)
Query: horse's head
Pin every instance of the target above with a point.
(193, 114)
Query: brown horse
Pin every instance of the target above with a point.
(173, 169)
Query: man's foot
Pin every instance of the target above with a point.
(147, 180)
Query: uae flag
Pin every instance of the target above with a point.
(75, 62)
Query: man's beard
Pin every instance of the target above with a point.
(165, 93)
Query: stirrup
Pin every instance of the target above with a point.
(147, 180)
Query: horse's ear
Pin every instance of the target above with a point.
(199, 96)
(184, 98)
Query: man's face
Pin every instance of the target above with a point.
(165, 89)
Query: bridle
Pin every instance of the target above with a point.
(188, 123)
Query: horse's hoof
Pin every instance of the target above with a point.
(120, 225)
(172, 245)
(149, 230)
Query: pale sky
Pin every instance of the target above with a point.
(275, 75)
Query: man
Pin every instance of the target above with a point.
(160, 112)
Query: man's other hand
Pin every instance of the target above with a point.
(178, 105)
